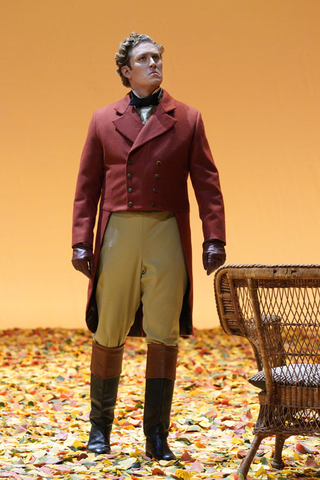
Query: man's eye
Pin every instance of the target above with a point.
(142, 58)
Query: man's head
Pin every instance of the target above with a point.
(139, 62)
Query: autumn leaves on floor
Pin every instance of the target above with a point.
(44, 399)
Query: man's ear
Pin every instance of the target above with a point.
(125, 70)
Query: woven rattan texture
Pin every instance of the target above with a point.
(277, 308)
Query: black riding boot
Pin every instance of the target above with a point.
(106, 366)
(103, 400)
(161, 367)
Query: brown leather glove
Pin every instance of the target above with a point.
(82, 259)
(213, 255)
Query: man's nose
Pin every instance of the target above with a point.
(152, 62)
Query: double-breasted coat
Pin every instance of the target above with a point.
(128, 166)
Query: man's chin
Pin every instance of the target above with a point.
(156, 81)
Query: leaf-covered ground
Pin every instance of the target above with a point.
(44, 400)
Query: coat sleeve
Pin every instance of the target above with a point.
(88, 187)
(205, 180)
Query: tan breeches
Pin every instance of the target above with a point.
(141, 259)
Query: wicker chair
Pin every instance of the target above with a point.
(277, 309)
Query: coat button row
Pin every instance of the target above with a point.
(158, 162)
(157, 176)
(155, 190)
(130, 204)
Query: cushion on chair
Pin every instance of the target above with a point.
(307, 375)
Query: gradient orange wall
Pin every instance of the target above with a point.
(251, 67)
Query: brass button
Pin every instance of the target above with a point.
(158, 163)
(153, 204)
(130, 204)
(130, 190)
(155, 190)
(157, 176)
(129, 175)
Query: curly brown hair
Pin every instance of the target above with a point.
(122, 57)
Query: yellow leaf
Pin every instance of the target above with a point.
(136, 453)
(77, 444)
(48, 397)
(183, 474)
(199, 445)
(19, 398)
(236, 440)
(261, 471)
(296, 456)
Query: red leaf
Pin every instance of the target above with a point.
(303, 448)
(311, 463)
(82, 456)
(241, 453)
(249, 414)
(198, 370)
(158, 471)
(186, 457)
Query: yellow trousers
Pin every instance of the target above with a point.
(141, 259)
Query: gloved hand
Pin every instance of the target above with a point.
(82, 259)
(213, 255)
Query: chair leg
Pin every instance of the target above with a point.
(250, 455)
(277, 458)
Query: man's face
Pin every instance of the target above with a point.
(145, 74)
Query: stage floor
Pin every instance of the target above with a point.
(44, 400)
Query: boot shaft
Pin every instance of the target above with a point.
(160, 377)
(157, 406)
(106, 365)
(106, 362)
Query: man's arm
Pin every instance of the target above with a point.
(205, 180)
(88, 191)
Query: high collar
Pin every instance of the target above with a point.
(167, 103)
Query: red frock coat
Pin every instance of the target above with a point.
(128, 166)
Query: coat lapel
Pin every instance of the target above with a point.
(130, 125)
(128, 122)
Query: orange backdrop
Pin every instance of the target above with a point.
(251, 67)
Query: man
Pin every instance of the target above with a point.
(136, 160)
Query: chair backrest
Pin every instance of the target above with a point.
(277, 308)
